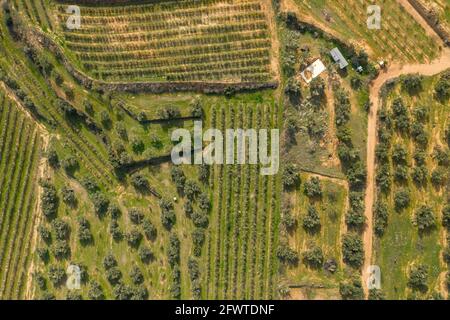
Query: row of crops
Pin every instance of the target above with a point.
(242, 237)
(35, 11)
(19, 157)
(217, 41)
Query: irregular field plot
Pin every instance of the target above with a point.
(19, 156)
(208, 40)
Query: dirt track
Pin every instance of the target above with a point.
(394, 71)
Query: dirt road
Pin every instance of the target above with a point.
(393, 71)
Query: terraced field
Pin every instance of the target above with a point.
(20, 152)
(176, 41)
(400, 38)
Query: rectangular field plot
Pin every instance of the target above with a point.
(411, 178)
(20, 146)
(177, 41)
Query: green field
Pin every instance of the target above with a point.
(402, 234)
(188, 41)
(350, 21)
(20, 153)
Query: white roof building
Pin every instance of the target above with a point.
(313, 71)
(339, 58)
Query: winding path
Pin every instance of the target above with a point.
(393, 71)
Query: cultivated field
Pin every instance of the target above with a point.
(20, 153)
(412, 173)
(401, 38)
(242, 238)
(175, 41)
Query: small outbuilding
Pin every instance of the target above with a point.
(339, 58)
(313, 71)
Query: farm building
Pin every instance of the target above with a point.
(339, 58)
(313, 71)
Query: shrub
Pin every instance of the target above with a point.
(173, 251)
(314, 257)
(442, 87)
(311, 221)
(45, 234)
(100, 202)
(61, 229)
(109, 262)
(424, 218)
(168, 217)
(352, 250)
(136, 275)
(140, 183)
(114, 211)
(446, 216)
(49, 201)
(355, 219)
(191, 189)
(70, 165)
(198, 238)
(136, 216)
(418, 277)
(95, 291)
(419, 174)
(381, 218)
(68, 195)
(178, 177)
(401, 173)
(287, 255)
(113, 275)
(53, 159)
(200, 220)
(399, 154)
(412, 83)
(84, 232)
(438, 177)
(313, 188)
(145, 254)
(56, 275)
(376, 294)
(150, 231)
(290, 178)
(133, 237)
(383, 178)
(351, 290)
(402, 199)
